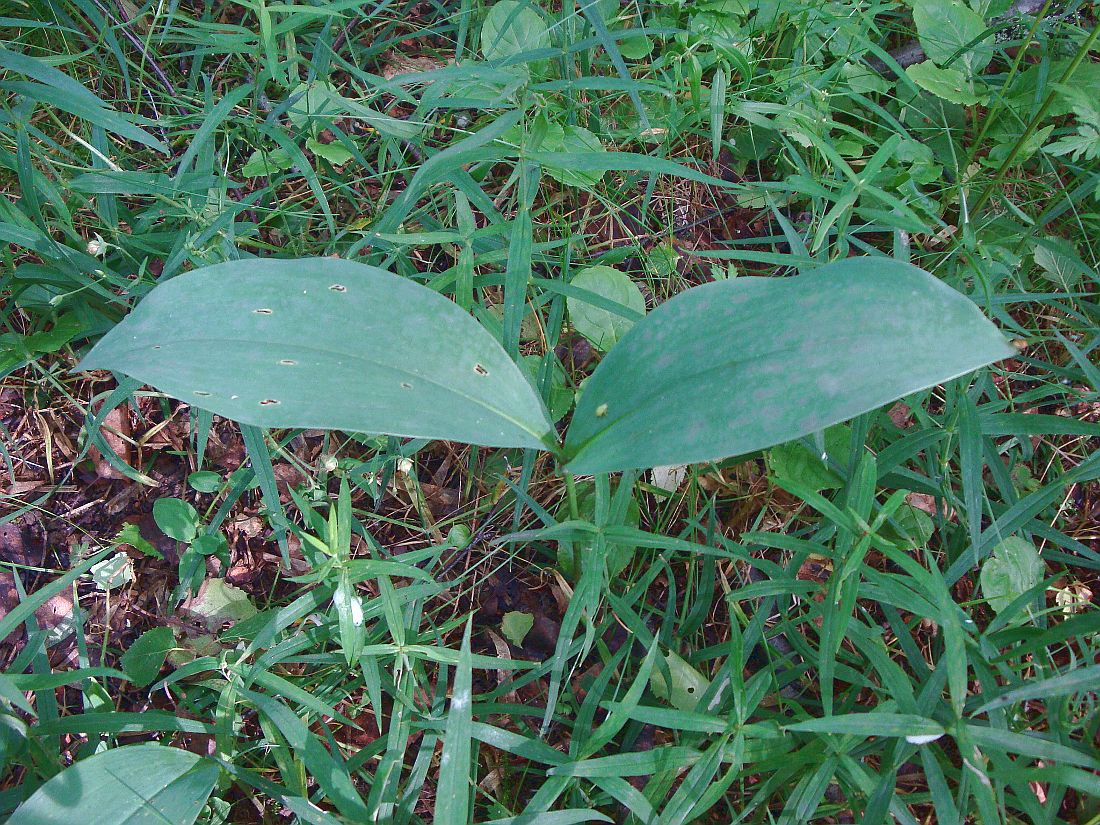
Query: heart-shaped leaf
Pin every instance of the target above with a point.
(133, 784)
(736, 366)
(329, 344)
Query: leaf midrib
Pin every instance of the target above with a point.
(365, 359)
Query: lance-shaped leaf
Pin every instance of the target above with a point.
(328, 344)
(736, 366)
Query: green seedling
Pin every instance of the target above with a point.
(180, 521)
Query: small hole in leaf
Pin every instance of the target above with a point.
(405, 385)
(480, 370)
(338, 288)
(202, 393)
(268, 402)
(156, 346)
(263, 311)
(287, 362)
(691, 688)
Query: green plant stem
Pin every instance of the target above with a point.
(571, 491)
(1033, 124)
(991, 115)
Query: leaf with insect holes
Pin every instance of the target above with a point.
(688, 684)
(329, 344)
(124, 786)
(736, 366)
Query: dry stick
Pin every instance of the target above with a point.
(911, 53)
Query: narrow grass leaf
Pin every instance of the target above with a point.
(904, 725)
(452, 805)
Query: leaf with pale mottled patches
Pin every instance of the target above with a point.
(736, 366)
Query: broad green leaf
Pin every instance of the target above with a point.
(143, 660)
(949, 84)
(204, 481)
(512, 28)
(911, 525)
(516, 625)
(945, 27)
(218, 603)
(573, 139)
(740, 365)
(327, 344)
(176, 518)
(321, 100)
(1060, 262)
(797, 462)
(137, 784)
(688, 684)
(600, 326)
(313, 100)
(334, 152)
(1014, 568)
(13, 736)
(262, 162)
(635, 47)
(112, 572)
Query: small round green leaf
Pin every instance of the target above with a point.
(516, 625)
(574, 139)
(601, 326)
(131, 785)
(1014, 568)
(512, 28)
(204, 481)
(143, 660)
(176, 518)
